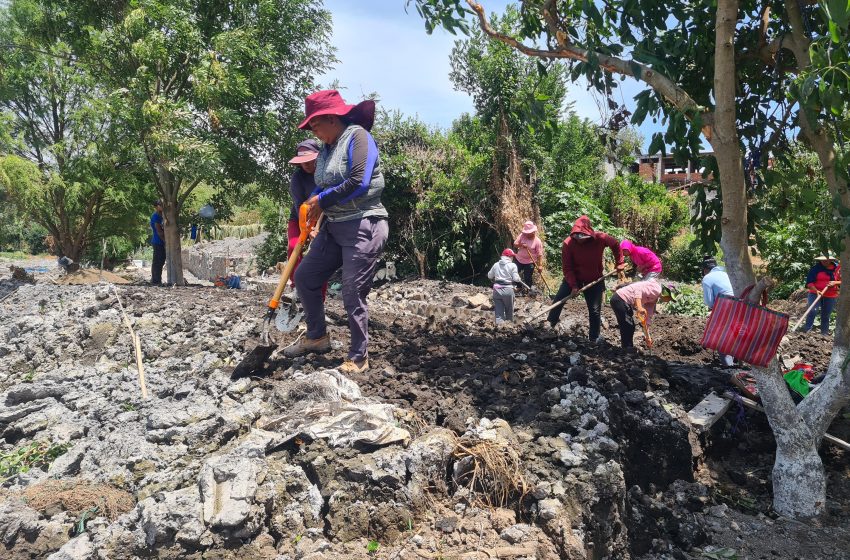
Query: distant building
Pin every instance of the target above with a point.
(665, 170)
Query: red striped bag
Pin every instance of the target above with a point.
(751, 333)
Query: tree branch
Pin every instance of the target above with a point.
(675, 95)
(187, 192)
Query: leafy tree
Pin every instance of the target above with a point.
(804, 222)
(437, 195)
(209, 89)
(518, 107)
(721, 70)
(66, 170)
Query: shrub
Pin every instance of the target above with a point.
(683, 260)
(689, 303)
(650, 214)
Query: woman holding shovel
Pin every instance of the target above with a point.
(349, 184)
(581, 263)
(822, 282)
(636, 301)
(529, 254)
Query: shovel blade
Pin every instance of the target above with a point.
(287, 318)
(253, 361)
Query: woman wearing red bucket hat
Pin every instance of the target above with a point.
(349, 184)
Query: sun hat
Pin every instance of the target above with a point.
(305, 151)
(508, 253)
(529, 227)
(330, 102)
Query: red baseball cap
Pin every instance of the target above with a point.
(508, 253)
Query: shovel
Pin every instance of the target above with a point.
(286, 317)
(647, 339)
(563, 301)
(809, 310)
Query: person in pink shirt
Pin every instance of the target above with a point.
(637, 301)
(530, 252)
(646, 262)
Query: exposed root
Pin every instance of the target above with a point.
(491, 473)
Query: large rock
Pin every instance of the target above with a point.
(174, 516)
(228, 488)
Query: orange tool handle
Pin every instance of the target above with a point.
(306, 226)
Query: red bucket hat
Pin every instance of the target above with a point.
(330, 102)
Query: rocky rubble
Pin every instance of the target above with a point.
(456, 444)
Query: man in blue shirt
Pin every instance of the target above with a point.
(158, 242)
(715, 282)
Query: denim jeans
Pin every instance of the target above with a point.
(826, 305)
(593, 298)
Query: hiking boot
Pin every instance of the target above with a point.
(352, 366)
(308, 346)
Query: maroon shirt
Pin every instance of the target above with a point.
(581, 261)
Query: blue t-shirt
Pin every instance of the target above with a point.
(156, 219)
(715, 283)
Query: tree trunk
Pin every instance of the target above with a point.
(724, 140)
(799, 480)
(173, 254)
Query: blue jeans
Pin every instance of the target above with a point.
(826, 306)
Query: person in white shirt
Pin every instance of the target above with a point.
(503, 274)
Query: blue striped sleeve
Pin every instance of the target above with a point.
(362, 159)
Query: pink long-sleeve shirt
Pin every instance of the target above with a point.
(647, 291)
(535, 249)
(645, 260)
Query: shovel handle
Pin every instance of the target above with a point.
(809, 310)
(563, 301)
(306, 227)
(646, 336)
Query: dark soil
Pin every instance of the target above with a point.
(454, 372)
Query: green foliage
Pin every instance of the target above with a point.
(683, 260)
(689, 303)
(65, 166)
(436, 196)
(38, 454)
(650, 214)
(789, 243)
(373, 546)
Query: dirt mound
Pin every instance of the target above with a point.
(78, 496)
(586, 446)
(90, 276)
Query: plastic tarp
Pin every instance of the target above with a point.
(328, 405)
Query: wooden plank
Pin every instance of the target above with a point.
(756, 406)
(708, 411)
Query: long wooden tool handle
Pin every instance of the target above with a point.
(809, 310)
(646, 336)
(293, 258)
(563, 301)
(284, 276)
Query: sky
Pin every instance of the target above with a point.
(383, 49)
